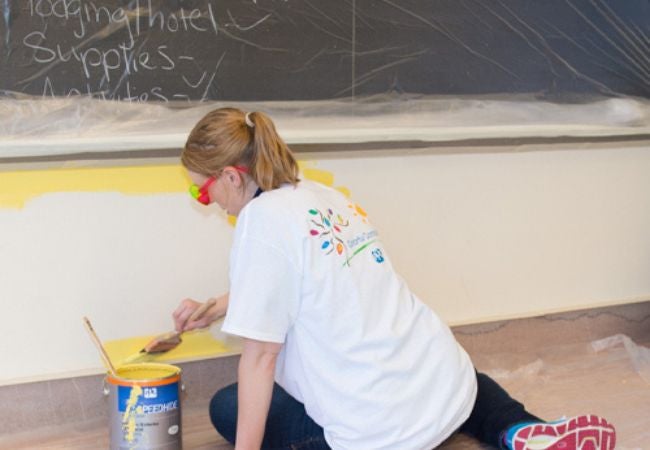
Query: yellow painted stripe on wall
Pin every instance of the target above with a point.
(17, 188)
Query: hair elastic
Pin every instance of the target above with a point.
(248, 120)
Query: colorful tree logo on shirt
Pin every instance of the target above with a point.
(327, 228)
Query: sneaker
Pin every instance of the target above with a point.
(577, 433)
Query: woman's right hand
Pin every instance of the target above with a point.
(182, 314)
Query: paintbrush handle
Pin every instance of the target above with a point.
(198, 313)
(98, 344)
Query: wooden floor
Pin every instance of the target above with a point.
(560, 380)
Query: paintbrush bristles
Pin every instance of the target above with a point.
(163, 343)
(168, 341)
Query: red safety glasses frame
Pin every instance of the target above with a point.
(201, 193)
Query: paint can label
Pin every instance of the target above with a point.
(147, 417)
(147, 400)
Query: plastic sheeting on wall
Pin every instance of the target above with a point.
(66, 126)
(81, 75)
(263, 50)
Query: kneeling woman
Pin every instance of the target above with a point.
(338, 352)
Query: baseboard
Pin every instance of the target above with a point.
(81, 399)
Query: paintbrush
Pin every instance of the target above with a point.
(100, 347)
(168, 341)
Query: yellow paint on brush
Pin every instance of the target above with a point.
(196, 344)
(17, 188)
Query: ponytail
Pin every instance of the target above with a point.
(273, 163)
(228, 137)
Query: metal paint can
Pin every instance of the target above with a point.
(145, 407)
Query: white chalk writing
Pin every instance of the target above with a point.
(112, 47)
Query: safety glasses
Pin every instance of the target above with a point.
(201, 193)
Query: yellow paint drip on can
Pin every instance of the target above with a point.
(145, 407)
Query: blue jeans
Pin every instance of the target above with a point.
(288, 426)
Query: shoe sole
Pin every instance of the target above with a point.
(577, 433)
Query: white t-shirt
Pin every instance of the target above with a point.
(374, 366)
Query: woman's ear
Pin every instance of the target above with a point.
(233, 176)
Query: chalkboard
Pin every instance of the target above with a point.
(260, 50)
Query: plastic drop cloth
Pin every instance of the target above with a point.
(609, 377)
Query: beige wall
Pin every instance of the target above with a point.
(479, 235)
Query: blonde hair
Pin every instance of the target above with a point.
(224, 137)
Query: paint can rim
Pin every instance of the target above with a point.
(173, 376)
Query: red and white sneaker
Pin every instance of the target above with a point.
(577, 433)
